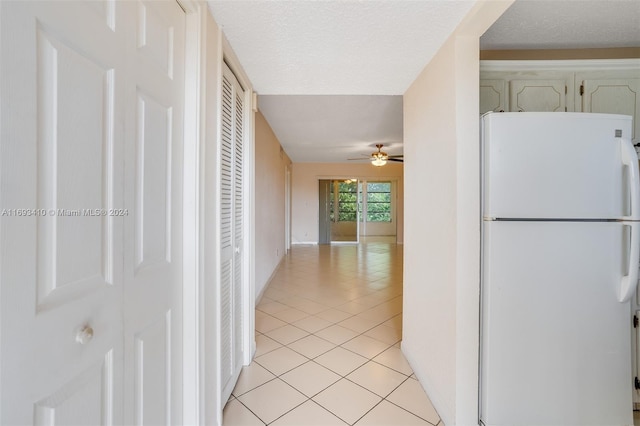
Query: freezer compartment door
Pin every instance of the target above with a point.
(555, 340)
(559, 165)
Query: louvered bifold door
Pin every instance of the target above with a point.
(238, 211)
(231, 165)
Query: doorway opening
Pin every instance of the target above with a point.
(338, 211)
(353, 211)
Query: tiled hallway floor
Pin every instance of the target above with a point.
(328, 332)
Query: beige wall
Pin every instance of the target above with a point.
(442, 217)
(430, 217)
(271, 163)
(304, 223)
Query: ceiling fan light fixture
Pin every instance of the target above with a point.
(379, 161)
(379, 158)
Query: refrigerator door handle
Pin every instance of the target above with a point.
(630, 160)
(629, 282)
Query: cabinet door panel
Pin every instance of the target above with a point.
(492, 96)
(618, 96)
(537, 95)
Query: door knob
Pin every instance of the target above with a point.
(84, 335)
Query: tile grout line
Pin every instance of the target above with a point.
(279, 376)
(379, 296)
(337, 345)
(255, 414)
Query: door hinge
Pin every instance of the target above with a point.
(636, 383)
(635, 321)
(566, 90)
(581, 89)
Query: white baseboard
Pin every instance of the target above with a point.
(264, 287)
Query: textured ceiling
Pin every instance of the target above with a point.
(567, 24)
(349, 47)
(334, 128)
(336, 47)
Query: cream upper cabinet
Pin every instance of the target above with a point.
(537, 95)
(531, 94)
(613, 96)
(493, 95)
(599, 86)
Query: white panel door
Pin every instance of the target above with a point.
(92, 104)
(231, 234)
(153, 229)
(620, 96)
(61, 260)
(555, 341)
(537, 95)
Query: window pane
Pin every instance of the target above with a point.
(332, 207)
(379, 208)
(378, 197)
(347, 187)
(379, 187)
(360, 207)
(379, 201)
(347, 201)
(379, 217)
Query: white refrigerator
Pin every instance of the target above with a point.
(560, 254)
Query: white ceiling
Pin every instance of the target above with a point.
(333, 128)
(378, 47)
(568, 24)
(336, 47)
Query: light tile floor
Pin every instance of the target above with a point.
(328, 332)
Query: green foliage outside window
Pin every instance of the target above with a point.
(347, 202)
(379, 202)
(350, 200)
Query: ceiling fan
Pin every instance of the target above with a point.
(380, 158)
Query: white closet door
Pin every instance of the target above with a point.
(61, 259)
(153, 228)
(238, 235)
(92, 138)
(230, 229)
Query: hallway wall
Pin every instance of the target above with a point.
(304, 216)
(270, 202)
(442, 216)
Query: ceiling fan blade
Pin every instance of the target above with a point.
(380, 155)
